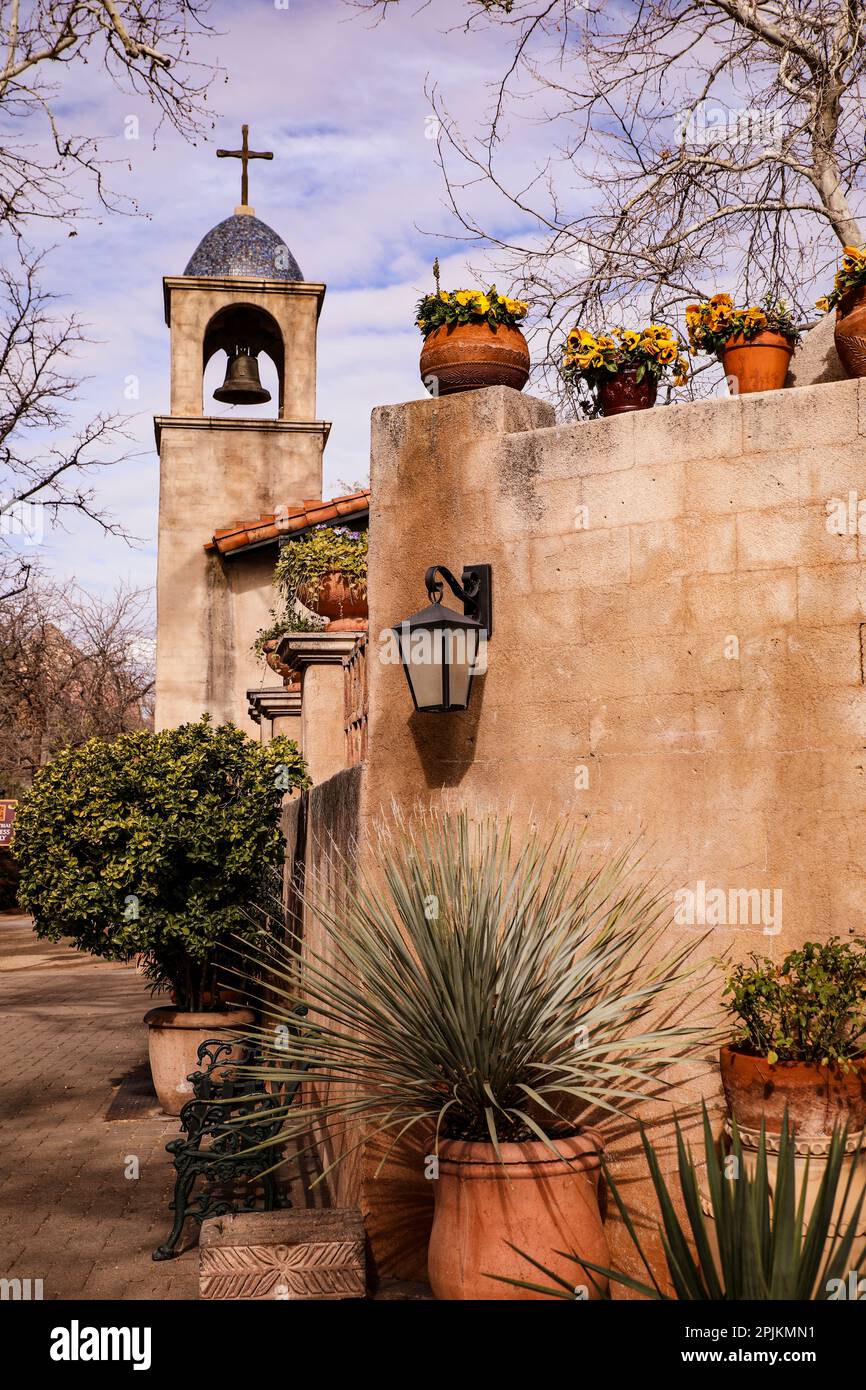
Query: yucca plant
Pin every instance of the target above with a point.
(484, 986)
(765, 1248)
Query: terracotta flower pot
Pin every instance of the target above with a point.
(173, 1040)
(335, 598)
(273, 661)
(540, 1203)
(621, 391)
(467, 356)
(761, 364)
(849, 333)
(816, 1097)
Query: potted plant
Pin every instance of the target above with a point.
(324, 572)
(756, 1241)
(849, 300)
(484, 994)
(623, 367)
(471, 340)
(150, 846)
(754, 345)
(800, 1042)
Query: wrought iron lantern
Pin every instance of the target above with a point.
(442, 650)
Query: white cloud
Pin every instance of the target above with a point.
(342, 104)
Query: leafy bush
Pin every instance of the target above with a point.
(152, 844)
(809, 1008)
(767, 1250)
(491, 986)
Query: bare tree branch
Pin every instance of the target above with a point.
(144, 46)
(72, 667)
(684, 146)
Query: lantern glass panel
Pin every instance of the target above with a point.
(421, 653)
(461, 648)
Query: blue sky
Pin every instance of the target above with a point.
(353, 189)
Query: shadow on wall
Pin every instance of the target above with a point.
(446, 743)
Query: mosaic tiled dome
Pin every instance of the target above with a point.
(244, 246)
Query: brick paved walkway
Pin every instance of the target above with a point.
(70, 1028)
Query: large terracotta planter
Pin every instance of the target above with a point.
(468, 356)
(849, 333)
(810, 1165)
(761, 364)
(335, 599)
(816, 1097)
(173, 1040)
(540, 1203)
(621, 391)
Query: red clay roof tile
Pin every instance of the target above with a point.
(283, 522)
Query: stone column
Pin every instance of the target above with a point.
(317, 657)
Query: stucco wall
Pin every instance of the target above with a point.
(321, 828)
(209, 610)
(689, 645)
(677, 640)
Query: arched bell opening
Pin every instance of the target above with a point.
(248, 376)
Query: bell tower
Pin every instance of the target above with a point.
(241, 294)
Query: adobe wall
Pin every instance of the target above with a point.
(210, 610)
(689, 645)
(677, 639)
(321, 827)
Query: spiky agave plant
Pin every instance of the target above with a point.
(765, 1248)
(484, 986)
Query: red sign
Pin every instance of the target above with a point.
(7, 817)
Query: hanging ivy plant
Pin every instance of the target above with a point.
(301, 571)
(303, 564)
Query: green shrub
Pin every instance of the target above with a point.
(809, 1008)
(152, 844)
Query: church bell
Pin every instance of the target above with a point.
(243, 385)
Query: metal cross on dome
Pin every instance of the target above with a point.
(245, 154)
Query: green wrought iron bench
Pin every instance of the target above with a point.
(220, 1124)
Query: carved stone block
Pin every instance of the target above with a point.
(308, 1254)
